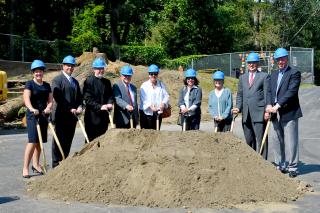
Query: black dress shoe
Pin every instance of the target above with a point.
(36, 171)
(293, 174)
(26, 176)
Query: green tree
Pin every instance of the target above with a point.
(85, 31)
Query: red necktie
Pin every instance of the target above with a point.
(129, 95)
(251, 79)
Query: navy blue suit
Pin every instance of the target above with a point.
(287, 95)
(285, 137)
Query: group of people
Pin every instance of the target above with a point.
(66, 102)
(260, 98)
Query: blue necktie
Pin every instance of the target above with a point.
(280, 75)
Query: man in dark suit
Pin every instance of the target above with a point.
(286, 111)
(252, 95)
(68, 103)
(126, 105)
(97, 93)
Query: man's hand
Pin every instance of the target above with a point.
(35, 111)
(109, 106)
(47, 111)
(79, 110)
(266, 116)
(73, 111)
(235, 110)
(129, 108)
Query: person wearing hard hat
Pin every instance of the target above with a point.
(67, 104)
(220, 103)
(190, 97)
(154, 98)
(126, 104)
(253, 90)
(286, 111)
(37, 97)
(98, 97)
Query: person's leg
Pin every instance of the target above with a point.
(259, 131)
(27, 158)
(277, 144)
(249, 133)
(36, 157)
(291, 140)
(194, 123)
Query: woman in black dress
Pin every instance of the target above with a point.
(37, 97)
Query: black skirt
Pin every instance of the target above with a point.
(32, 127)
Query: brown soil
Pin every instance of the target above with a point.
(167, 169)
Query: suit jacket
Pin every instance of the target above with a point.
(97, 92)
(121, 115)
(66, 97)
(253, 99)
(195, 97)
(287, 94)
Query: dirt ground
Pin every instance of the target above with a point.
(167, 169)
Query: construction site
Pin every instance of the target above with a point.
(138, 170)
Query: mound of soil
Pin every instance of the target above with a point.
(166, 169)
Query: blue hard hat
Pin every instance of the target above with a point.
(98, 63)
(280, 52)
(69, 60)
(218, 75)
(190, 73)
(37, 64)
(153, 68)
(253, 57)
(126, 70)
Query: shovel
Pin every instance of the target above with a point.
(233, 121)
(82, 128)
(265, 135)
(184, 126)
(157, 122)
(111, 119)
(54, 136)
(131, 119)
(41, 147)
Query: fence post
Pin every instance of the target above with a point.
(230, 64)
(312, 65)
(22, 50)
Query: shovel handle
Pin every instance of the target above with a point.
(111, 119)
(83, 129)
(265, 136)
(233, 121)
(41, 147)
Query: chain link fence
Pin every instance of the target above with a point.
(233, 64)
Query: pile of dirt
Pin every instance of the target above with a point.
(166, 169)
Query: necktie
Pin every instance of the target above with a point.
(73, 83)
(251, 79)
(129, 95)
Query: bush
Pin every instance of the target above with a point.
(184, 61)
(317, 67)
(142, 55)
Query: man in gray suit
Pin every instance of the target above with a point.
(126, 104)
(253, 90)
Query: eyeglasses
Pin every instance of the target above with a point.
(190, 78)
(127, 76)
(153, 73)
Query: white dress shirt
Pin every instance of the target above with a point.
(152, 96)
